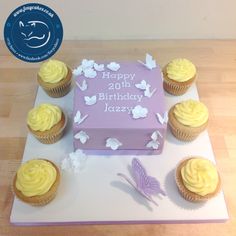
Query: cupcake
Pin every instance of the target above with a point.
(47, 123)
(36, 182)
(55, 78)
(188, 119)
(197, 179)
(178, 76)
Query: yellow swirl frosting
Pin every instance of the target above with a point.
(35, 177)
(200, 176)
(180, 70)
(191, 113)
(43, 117)
(53, 71)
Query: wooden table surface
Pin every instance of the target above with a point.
(216, 82)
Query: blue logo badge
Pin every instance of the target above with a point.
(33, 32)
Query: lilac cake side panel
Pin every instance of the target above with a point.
(137, 139)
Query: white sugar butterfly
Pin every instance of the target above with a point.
(149, 63)
(84, 85)
(78, 117)
(162, 119)
(90, 100)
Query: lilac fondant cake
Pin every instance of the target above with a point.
(119, 108)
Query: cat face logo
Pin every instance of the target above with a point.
(35, 34)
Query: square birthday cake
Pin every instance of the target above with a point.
(119, 108)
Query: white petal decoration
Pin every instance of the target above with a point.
(113, 66)
(98, 67)
(149, 63)
(78, 71)
(113, 143)
(142, 85)
(90, 100)
(162, 119)
(155, 135)
(82, 136)
(148, 93)
(65, 164)
(139, 112)
(78, 117)
(84, 85)
(90, 73)
(86, 64)
(74, 162)
(153, 144)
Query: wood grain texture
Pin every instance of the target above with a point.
(216, 82)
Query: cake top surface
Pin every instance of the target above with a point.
(124, 96)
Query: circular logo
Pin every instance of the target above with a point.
(33, 32)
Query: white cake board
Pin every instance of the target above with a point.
(96, 195)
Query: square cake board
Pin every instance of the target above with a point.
(96, 195)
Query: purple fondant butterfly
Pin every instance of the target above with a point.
(144, 184)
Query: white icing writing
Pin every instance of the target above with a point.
(116, 90)
(119, 97)
(118, 76)
(117, 108)
(119, 85)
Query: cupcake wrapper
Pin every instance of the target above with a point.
(60, 90)
(44, 201)
(39, 201)
(175, 89)
(182, 135)
(188, 196)
(49, 139)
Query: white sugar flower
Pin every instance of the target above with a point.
(113, 143)
(113, 66)
(78, 71)
(82, 136)
(90, 73)
(74, 162)
(139, 112)
(98, 67)
(86, 64)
